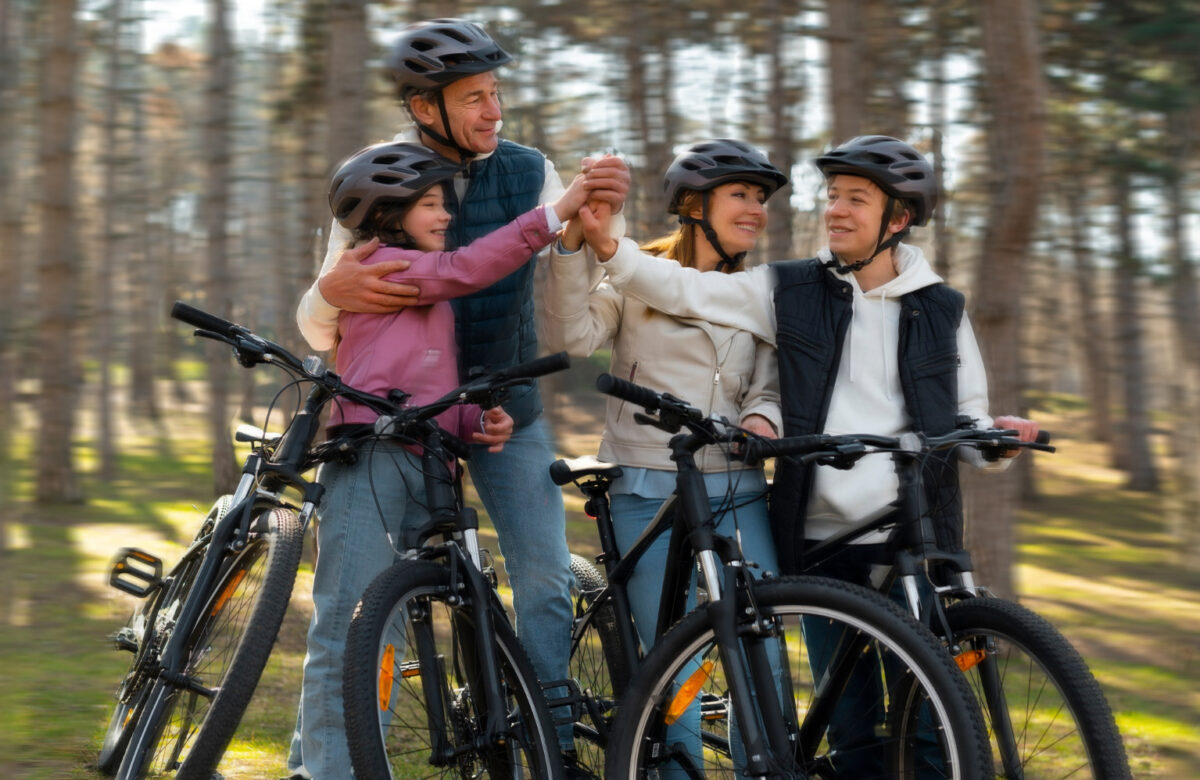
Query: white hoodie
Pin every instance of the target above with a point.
(867, 397)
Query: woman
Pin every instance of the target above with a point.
(718, 190)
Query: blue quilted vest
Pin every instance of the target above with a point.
(813, 311)
(495, 327)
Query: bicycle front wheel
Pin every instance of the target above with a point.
(413, 693)
(905, 713)
(1046, 714)
(188, 722)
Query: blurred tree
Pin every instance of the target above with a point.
(1014, 98)
(12, 212)
(346, 105)
(59, 259)
(219, 287)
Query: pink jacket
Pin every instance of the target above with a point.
(414, 349)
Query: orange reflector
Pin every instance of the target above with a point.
(687, 692)
(227, 594)
(385, 677)
(967, 660)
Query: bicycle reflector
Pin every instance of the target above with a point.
(385, 676)
(968, 659)
(687, 692)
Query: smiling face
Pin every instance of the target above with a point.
(473, 107)
(853, 212)
(737, 213)
(426, 221)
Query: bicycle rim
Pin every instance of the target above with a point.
(412, 695)
(189, 726)
(1048, 717)
(683, 682)
(597, 665)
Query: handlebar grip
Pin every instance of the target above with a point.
(547, 364)
(757, 450)
(1043, 437)
(202, 319)
(628, 391)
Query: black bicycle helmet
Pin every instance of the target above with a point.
(708, 164)
(433, 53)
(384, 173)
(896, 167)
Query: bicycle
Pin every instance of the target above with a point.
(204, 630)
(434, 677)
(735, 669)
(1046, 713)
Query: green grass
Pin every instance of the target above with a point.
(1095, 559)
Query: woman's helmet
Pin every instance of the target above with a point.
(433, 53)
(708, 164)
(387, 173)
(899, 170)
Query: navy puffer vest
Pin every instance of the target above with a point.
(496, 327)
(813, 311)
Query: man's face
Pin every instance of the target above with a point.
(473, 107)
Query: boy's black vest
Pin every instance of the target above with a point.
(495, 327)
(813, 310)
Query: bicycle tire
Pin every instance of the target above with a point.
(1062, 722)
(187, 731)
(640, 749)
(598, 664)
(387, 688)
(147, 628)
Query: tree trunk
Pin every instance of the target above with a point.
(1135, 427)
(1091, 326)
(219, 286)
(1014, 92)
(346, 105)
(59, 261)
(847, 83)
(781, 97)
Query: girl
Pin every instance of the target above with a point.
(394, 194)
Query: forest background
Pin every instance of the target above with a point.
(151, 151)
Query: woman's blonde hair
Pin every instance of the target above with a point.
(680, 244)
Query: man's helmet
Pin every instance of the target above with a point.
(896, 167)
(384, 173)
(708, 164)
(433, 53)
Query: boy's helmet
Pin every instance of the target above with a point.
(384, 173)
(896, 167)
(708, 164)
(433, 53)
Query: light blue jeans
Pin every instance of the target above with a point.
(364, 504)
(631, 515)
(526, 508)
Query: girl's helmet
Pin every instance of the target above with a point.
(386, 173)
(708, 164)
(899, 170)
(433, 53)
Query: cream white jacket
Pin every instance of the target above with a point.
(867, 397)
(722, 370)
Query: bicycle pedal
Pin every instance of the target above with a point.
(126, 639)
(136, 572)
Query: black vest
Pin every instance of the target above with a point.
(496, 326)
(813, 310)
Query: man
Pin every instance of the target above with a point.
(444, 73)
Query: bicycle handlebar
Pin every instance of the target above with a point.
(819, 445)
(628, 391)
(205, 321)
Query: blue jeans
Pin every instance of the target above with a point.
(526, 508)
(383, 490)
(631, 515)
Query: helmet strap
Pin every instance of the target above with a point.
(711, 234)
(465, 154)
